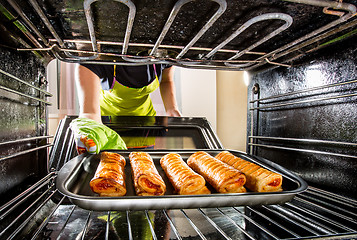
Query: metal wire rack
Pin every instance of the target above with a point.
(313, 214)
(280, 102)
(57, 46)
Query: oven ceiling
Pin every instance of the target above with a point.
(213, 34)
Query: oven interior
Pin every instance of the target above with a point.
(302, 106)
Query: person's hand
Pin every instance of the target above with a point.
(173, 113)
(92, 137)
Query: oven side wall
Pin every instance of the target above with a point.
(325, 117)
(23, 119)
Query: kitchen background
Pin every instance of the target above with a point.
(219, 96)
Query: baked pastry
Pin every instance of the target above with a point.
(224, 178)
(182, 177)
(147, 180)
(109, 178)
(258, 179)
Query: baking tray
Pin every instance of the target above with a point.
(74, 177)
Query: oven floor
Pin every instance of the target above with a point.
(312, 214)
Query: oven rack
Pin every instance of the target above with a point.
(33, 87)
(40, 98)
(237, 221)
(313, 214)
(281, 56)
(295, 99)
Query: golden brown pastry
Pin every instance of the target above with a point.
(109, 178)
(182, 177)
(147, 180)
(258, 179)
(224, 178)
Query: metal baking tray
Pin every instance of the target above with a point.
(74, 177)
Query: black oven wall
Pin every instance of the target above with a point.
(306, 128)
(23, 122)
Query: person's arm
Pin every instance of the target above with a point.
(168, 94)
(88, 90)
(90, 134)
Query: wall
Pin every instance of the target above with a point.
(197, 94)
(221, 97)
(232, 109)
(62, 85)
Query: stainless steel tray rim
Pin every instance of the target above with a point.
(181, 197)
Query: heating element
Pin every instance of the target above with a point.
(86, 37)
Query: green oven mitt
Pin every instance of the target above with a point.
(92, 137)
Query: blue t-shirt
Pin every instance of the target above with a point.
(129, 76)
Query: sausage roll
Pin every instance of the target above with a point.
(258, 179)
(224, 178)
(147, 180)
(109, 178)
(182, 177)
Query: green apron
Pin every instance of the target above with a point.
(126, 101)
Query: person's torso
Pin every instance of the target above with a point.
(127, 91)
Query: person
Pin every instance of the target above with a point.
(117, 90)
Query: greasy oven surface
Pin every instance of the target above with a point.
(217, 34)
(73, 181)
(316, 213)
